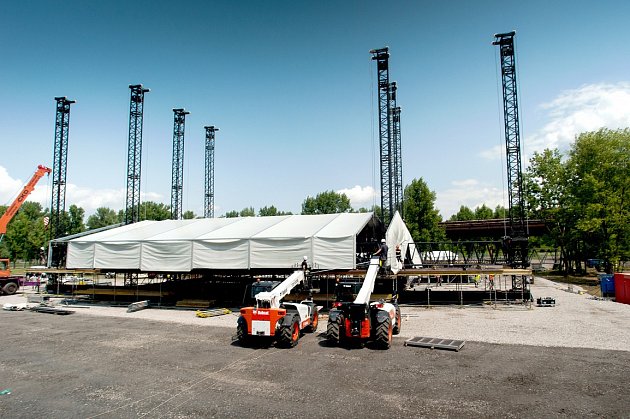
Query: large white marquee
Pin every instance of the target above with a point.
(328, 240)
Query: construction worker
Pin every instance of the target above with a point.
(399, 255)
(382, 253)
(477, 279)
(305, 264)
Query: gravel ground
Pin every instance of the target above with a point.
(105, 362)
(577, 320)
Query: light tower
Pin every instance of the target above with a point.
(60, 161)
(381, 56)
(396, 152)
(517, 242)
(208, 202)
(178, 163)
(134, 153)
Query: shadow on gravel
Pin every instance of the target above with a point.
(349, 345)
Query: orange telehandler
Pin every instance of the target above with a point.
(9, 284)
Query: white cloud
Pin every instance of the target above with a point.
(360, 196)
(86, 198)
(465, 183)
(494, 153)
(588, 108)
(9, 187)
(468, 192)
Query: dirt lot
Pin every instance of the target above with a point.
(86, 366)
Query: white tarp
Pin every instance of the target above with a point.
(398, 235)
(329, 242)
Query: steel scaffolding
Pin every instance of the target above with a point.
(134, 153)
(517, 241)
(178, 163)
(381, 56)
(208, 202)
(60, 161)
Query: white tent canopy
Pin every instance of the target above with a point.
(398, 235)
(328, 240)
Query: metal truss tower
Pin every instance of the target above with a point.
(178, 163)
(396, 152)
(517, 242)
(208, 202)
(381, 56)
(60, 160)
(134, 153)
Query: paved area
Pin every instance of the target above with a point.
(84, 367)
(564, 361)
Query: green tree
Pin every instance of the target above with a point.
(271, 211)
(329, 202)
(102, 218)
(248, 212)
(25, 233)
(583, 198)
(599, 185)
(421, 216)
(188, 215)
(500, 212)
(483, 213)
(76, 224)
(231, 214)
(150, 210)
(547, 199)
(464, 214)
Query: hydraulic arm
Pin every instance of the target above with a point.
(17, 203)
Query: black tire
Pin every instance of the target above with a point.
(10, 288)
(398, 324)
(333, 332)
(289, 334)
(383, 335)
(241, 332)
(312, 328)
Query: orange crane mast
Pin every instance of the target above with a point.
(9, 284)
(17, 203)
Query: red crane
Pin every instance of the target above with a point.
(5, 273)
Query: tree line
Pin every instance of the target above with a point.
(27, 233)
(581, 195)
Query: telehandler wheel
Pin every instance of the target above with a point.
(10, 288)
(397, 326)
(314, 323)
(383, 335)
(289, 335)
(333, 331)
(241, 332)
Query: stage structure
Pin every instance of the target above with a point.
(208, 196)
(134, 153)
(177, 185)
(59, 171)
(517, 241)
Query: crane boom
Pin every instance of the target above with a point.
(17, 203)
(365, 293)
(271, 299)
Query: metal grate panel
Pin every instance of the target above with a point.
(434, 343)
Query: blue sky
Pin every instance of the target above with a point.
(292, 88)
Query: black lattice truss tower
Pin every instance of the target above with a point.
(396, 152)
(381, 56)
(60, 161)
(208, 201)
(178, 163)
(517, 241)
(134, 153)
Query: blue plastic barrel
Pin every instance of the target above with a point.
(607, 284)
